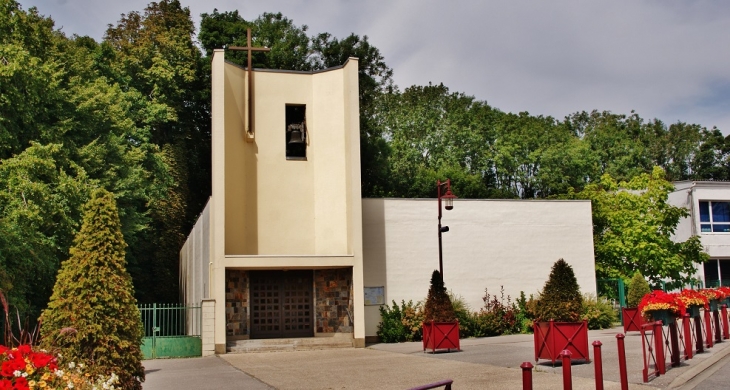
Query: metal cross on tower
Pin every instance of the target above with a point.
(249, 49)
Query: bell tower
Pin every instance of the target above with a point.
(286, 208)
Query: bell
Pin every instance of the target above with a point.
(296, 137)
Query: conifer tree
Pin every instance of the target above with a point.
(438, 306)
(560, 299)
(92, 316)
(638, 287)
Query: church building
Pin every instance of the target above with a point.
(286, 247)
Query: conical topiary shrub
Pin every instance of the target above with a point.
(92, 316)
(638, 287)
(438, 306)
(560, 299)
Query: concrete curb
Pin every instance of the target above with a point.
(700, 369)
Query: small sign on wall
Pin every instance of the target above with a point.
(374, 296)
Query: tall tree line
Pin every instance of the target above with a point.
(131, 114)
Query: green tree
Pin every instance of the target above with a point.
(633, 226)
(92, 316)
(638, 287)
(560, 298)
(435, 134)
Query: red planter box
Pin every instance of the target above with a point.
(631, 318)
(441, 335)
(551, 338)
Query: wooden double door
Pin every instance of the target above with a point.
(281, 304)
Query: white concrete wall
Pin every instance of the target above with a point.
(195, 260)
(491, 243)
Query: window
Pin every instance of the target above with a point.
(714, 217)
(296, 132)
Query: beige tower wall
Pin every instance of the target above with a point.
(268, 212)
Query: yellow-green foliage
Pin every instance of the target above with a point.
(638, 287)
(598, 312)
(92, 316)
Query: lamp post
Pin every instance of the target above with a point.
(448, 198)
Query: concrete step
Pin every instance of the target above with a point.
(288, 344)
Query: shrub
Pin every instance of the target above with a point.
(638, 287)
(400, 323)
(560, 299)
(438, 306)
(598, 312)
(92, 315)
(497, 316)
(463, 315)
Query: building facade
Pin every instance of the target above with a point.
(708, 203)
(287, 248)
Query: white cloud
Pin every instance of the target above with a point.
(664, 59)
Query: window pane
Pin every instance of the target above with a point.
(720, 228)
(720, 212)
(704, 212)
(706, 228)
(711, 274)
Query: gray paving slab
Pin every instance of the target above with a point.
(202, 373)
(483, 363)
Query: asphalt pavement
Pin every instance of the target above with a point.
(483, 363)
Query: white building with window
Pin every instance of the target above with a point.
(709, 206)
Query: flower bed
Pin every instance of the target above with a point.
(659, 300)
(693, 298)
(22, 368)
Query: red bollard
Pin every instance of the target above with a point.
(698, 334)
(687, 336)
(622, 361)
(598, 364)
(708, 329)
(567, 379)
(674, 341)
(659, 347)
(725, 325)
(716, 318)
(526, 375)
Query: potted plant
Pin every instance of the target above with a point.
(693, 301)
(630, 316)
(558, 324)
(661, 306)
(440, 327)
(712, 295)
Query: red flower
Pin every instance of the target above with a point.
(24, 349)
(3, 349)
(40, 359)
(660, 300)
(21, 384)
(7, 369)
(6, 384)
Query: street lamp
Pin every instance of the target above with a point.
(448, 198)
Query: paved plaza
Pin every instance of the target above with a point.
(483, 363)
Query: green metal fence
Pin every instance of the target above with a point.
(171, 330)
(615, 291)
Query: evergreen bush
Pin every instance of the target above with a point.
(638, 287)
(92, 315)
(438, 306)
(560, 299)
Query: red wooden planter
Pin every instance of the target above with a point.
(631, 318)
(441, 335)
(552, 337)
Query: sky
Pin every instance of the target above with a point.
(664, 59)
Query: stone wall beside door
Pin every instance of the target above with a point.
(333, 300)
